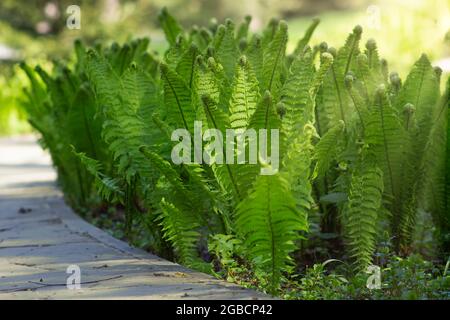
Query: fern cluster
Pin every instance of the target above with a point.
(376, 147)
(348, 131)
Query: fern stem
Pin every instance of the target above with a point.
(350, 56)
(338, 91)
(386, 149)
(191, 78)
(280, 50)
(272, 243)
(178, 101)
(357, 110)
(80, 183)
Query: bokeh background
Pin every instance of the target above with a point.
(35, 30)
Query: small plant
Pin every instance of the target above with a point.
(401, 279)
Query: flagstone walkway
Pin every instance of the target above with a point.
(40, 237)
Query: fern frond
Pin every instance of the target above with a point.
(242, 32)
(207, 79)
(173, 55)
(296, 169)
(217, 119)
(326, 149)
(361, 212)
(186, 65)
(177, 100)
(372, 55)
(265, 115)
(421, 89)
(170, 26)
(334, 100)
(181, 230)
(295, 93)
(419, 96)
(225, 173)
(255, 57)
(269, 32)
(303, 42)
(108, 188)
(244, 95)
(166, 169)
(326, 61)
(227, 52)
(435, 192)
(386, 136)
(268, 222)
(274, 55)
(82, 125)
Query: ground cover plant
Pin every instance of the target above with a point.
(363, 173)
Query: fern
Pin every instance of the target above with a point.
(274, 60)
(362, 211)
(295, 93)
(303, 42)
(244, 96)
(418, 98)
(226, 49)
(123, 129)
(327, 148)
(178, 100)
(386, 135)
(435, 189)
(186, 65)
(359, 148)
(335, 100)
(268, 222)
(242, 32)
(255, 57)
(108, 188)
(170, 26)
(180, 231)
(224, 173)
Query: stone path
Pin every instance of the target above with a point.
(40, 237)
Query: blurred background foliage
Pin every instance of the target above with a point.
(35, 30)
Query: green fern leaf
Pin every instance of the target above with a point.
(326, 149)
(108, 188)
(178, 100)
(255, 57)
(170, 26)
(334, 101)
(242, 32)
(180, 230)
(186, 65)
(268, 222)
(386, 136)
(227, 52)
(274, 55)
(361, 212)
(244, 95)
(303, 42)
